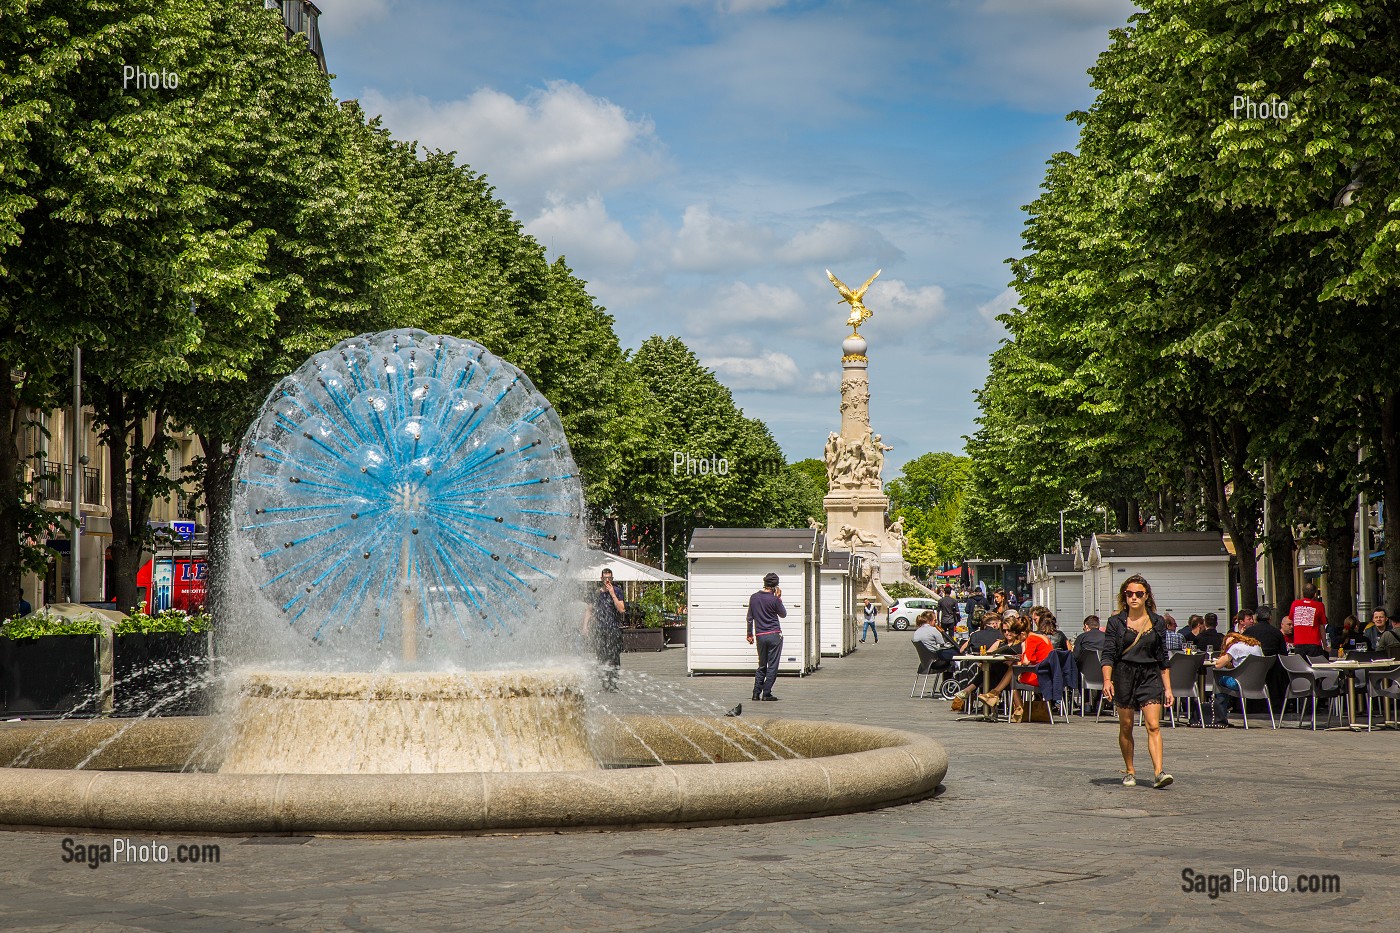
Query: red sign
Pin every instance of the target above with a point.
(173, 583)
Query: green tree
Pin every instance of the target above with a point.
(694, 420)
(928, 494)
(110, 217)
(808, 489)
(1190, 296)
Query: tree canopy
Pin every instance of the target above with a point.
(1208, 289)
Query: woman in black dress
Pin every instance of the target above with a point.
(1135, 673)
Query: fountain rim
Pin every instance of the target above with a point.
(867, 768)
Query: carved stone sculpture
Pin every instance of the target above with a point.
(855, 538)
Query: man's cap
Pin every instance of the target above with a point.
(770, 579)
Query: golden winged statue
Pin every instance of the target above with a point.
(859, 312)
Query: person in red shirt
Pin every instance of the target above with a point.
(1309, 623)
(1034, 649)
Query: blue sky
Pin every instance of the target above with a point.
(701, 162)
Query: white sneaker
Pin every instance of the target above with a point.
(1130, 780)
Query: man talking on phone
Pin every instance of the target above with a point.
(603, 624)
(765, 609)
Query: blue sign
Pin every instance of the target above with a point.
(184, 529)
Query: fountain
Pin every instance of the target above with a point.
(408, 654)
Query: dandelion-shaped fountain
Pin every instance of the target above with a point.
(408, 504)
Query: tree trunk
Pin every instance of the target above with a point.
(1283, 550)
(1134, 523)
(1390, 452)
(137, 467)
(1166, 510)
(1210, 508)
(1120, 513)
(1341, 539)
(9, 497)
(125, 563)
(1239, 516)
(1190, 499)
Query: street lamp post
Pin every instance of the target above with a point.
(664, 515)
(1363, 551)
(75, 548)
(1062, 530)
(663, 553)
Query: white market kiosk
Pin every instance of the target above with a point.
(838, 604)
(726, 566)
(1055, 583)
(1189, 572)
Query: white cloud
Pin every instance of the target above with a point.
(770, 371)
(999, 305)
(583, 233)
(709, 243)
(836, 240)
(740, 302)
(558, 141)
(903, 310)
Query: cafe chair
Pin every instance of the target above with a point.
(1252, 674)
(1031, 692)
(1383, 685)
(1303, 682)
(1183, 673)
(1090, 680)
(932, 663)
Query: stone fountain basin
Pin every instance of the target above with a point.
(842, 768)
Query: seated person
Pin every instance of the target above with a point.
(1380, 624)
(1050, 628)
(986, 636)
(1389, 640)
(1352, 636)
(1210, 638)
(928, 633)
(1271, 640)
(986, 640)
(1237, 647)
(1172, 639)
(1034, 649)
(1194, 626)
(1091, 639)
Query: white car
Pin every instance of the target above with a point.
(904, 613)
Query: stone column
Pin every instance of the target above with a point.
(856, 503)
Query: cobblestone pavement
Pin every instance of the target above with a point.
(1032, 831)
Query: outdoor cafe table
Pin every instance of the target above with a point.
(986, 660)
(1350, 670)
